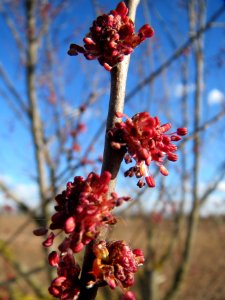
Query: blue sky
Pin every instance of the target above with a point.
(75, 76)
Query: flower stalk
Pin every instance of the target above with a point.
(116, 104)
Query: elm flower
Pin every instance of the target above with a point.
(128, 296)
(111, 37)
(145, 140)
(115, 264)
(81, 210)
(66, 285)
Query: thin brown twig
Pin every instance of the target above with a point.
(111, 158)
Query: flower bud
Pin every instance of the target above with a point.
(175, 138)
(150, 181)
(182, 131)
(172, 156)
(70, 224)
(49, 241)
(163, 170)
(40, 231)
(128, 296)
(53, 259)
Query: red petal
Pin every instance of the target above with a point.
(146, 31)
(182, 131)
(122, 9)
(40, 231)
(175, 138)
(53, 259)
(172, 157)
(70, 225)
(150, 181)
(49, 241)
(163, 170)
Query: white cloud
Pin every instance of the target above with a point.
(27, 192)
(221, 186)
(215, 96)
(6, 178)
(181, 89)
(213, 207)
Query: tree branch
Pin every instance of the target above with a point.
(194, 214)
(176, 54)
(12, 90)
(111, 158)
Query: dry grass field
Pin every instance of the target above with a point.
(204, 281)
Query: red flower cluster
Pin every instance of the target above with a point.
(82, 209)
(115, 264)
(66, 285)
(145, 140)
(111, 37)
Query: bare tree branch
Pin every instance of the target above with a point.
(213, 186)
(194, 215)
(36, 127)
(201, 128)
(5, 253)
(176, 54)
(14, 31)
(17, 112)
(13, 91)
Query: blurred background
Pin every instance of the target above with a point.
(53, 110)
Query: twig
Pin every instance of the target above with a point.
(111, 158)
(12, 90)
(194, 214)
(176, 54)
(14, 30)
